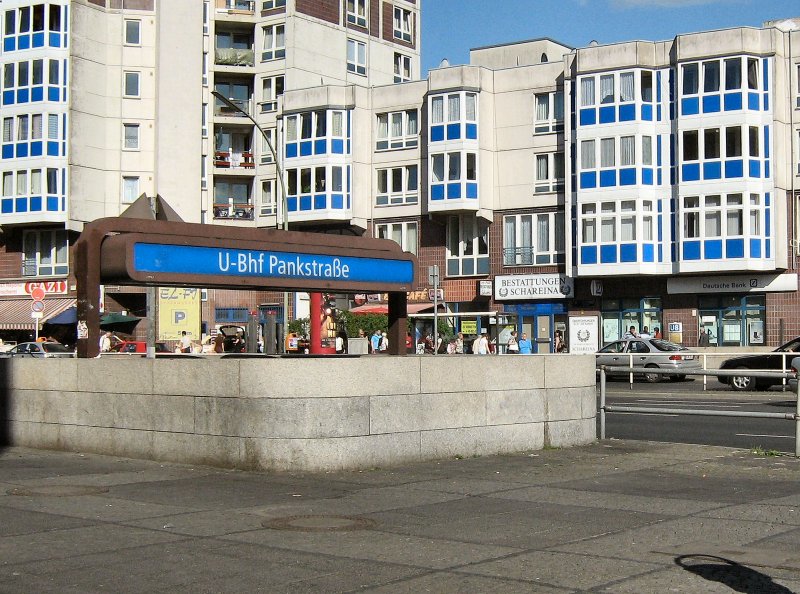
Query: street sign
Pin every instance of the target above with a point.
(433, 275)
(37, 293)
(37, 306)
(435, 294)
(37, 315)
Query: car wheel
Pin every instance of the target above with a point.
(652, 378)
(743, 383)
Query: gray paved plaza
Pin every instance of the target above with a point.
(611, 517)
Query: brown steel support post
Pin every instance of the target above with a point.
(398, 323)
(314, 323)
(87, 275)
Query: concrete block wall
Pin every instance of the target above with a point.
(301, 413)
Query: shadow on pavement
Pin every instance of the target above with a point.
(737, 577)
(5, 396)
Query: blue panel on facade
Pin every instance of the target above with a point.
(37, 94)
(437, 192)
(627, 177)
(23, 95)
(53, 94)
(691, 250)
(291, 203)
(769, 248)
(454, 191)
(291, 150)
(647, 112)
(627, 113)
(766, 102)
(6, 206)
(320, 147)
(766, 170)
(453, 131)
(305, 203)
(733, 101)
(55, 40)
(8, 97)
(52, 148)
(588, 117)
(8, 44)
(320, 201)
(767, 201)
(755, 168)
(647, 176)
(627, 252)
(21, 204)
(607, 115)
(437, 133)
(734, 248)
(659, 177)
(765, 65)
(711, 104)
(690, 106)
(766, 142)
(36, 204)
(648, 253)
(690, 172)
(38, 40)
(752, 101)
(337, 146)
(22, 150)
(712, 249)
(712, 170)
(337, 201)
(306, 148)
(588, 254)
(734, 168)
(588, 179)
(24, 42)
(472, 190)
(608, 254)
(608, 178)
(53, 204)
(36, 149)
(8, 151)
(658, 150)
(472, 131)
(755, 248)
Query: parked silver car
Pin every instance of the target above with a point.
(42, 350)
(649, 352)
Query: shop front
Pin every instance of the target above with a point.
(537, 304)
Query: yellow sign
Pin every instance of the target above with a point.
(469, 326)
(178, 310)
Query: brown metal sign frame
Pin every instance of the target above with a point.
(104, 254)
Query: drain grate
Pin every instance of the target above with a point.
(57, 491)
(319, 523)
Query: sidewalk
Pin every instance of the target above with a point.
(616, 516)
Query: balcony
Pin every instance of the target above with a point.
(236, 6)
(231, 210)
(233, 160)
(231, 56)
(222, 110)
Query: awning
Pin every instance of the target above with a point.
(15, 314)
(383, 308)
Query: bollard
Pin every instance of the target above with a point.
(603, 403)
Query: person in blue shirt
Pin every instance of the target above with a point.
(525, 346)
(375, 340)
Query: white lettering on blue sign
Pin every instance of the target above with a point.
(180, 259)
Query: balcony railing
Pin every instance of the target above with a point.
(231, 56)
(521, 256)
(233, 210)
(233, 160)
(240, 6)
(220, 109)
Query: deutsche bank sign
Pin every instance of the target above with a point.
(212, 261)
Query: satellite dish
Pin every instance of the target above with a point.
(445, 63)
(593, 43)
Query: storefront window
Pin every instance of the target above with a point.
(620, 314)
(732, 320)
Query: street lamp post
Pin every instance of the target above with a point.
(284, 204)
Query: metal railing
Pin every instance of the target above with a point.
(604, 408)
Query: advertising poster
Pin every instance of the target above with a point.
(584, 334)
(178, 310)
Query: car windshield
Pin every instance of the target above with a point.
(665, 345)
(614, 347)
(54, 347)
(793, 346)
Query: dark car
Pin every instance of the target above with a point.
(138, 346)
(774, 361)
(39, 350)
(649, 352)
